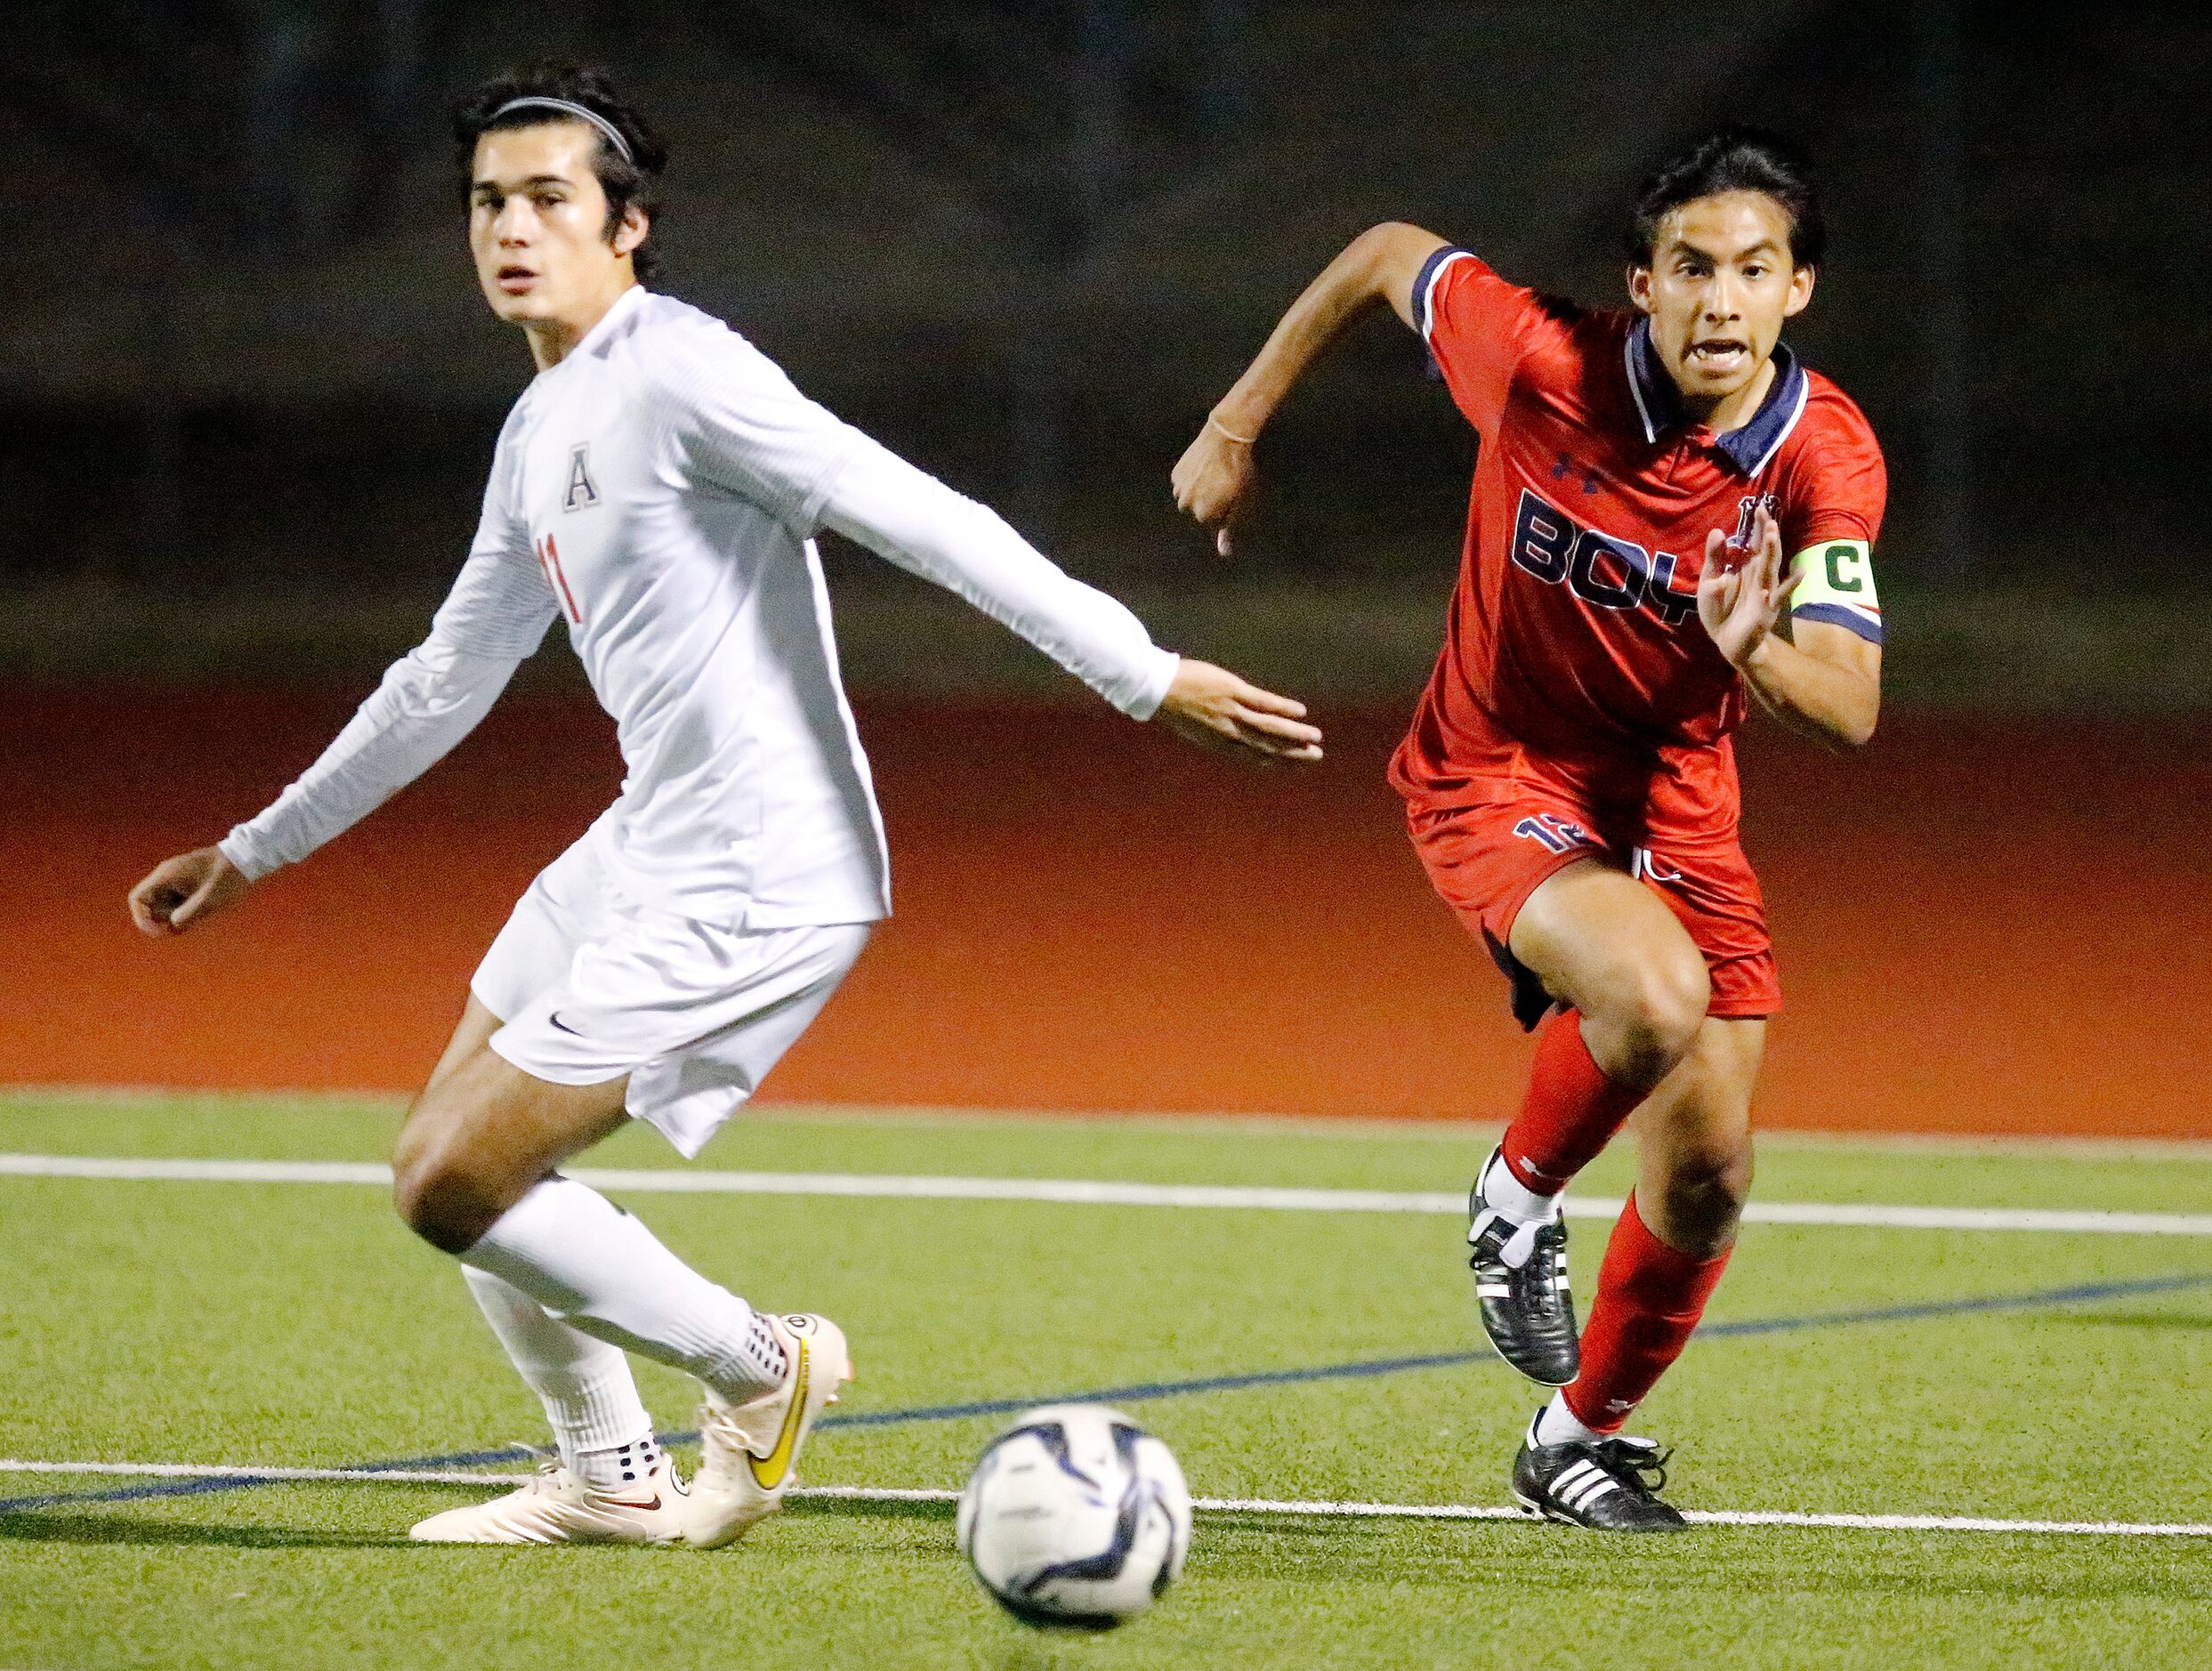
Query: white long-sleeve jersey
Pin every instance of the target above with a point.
(658, 490)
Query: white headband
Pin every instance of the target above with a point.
(537, 101)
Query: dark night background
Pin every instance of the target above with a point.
(247, 391)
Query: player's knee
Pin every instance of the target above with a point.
(1716, 1170)
(1660, 1016)
(1706, 1181)
(444, 1199)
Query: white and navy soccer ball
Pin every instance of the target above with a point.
(1076, 1515)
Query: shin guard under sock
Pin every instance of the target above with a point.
(594, 1267)
(584, 1383)
(1570, 1112)
(1649, 1297)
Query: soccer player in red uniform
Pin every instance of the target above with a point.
(1671, 520)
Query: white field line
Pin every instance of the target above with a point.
(1206, 1504)
(256, 1472)
(909, 1116)
(1095, 1192)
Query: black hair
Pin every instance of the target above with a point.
(1733, 158)
(628, 179)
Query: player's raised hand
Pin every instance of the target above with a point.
(1740, 593)
(177, 893)
(1211, 705)
(1213, 480)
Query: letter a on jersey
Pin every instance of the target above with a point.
(581, 494)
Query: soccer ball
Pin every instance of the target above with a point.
(1076, 1515)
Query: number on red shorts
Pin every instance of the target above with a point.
(1558, 834)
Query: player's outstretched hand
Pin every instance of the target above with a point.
(1213, 480)
(1211, 705)
(1740, 592)
(178, 892)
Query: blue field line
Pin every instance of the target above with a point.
(1137, 1392)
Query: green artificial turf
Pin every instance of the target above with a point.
(296, 1324)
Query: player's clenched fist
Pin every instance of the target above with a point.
(1213, 478)
(181, 891)
(1211, 705)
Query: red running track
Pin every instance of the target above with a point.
(1985, 926)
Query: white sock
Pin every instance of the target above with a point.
(766, 1354)
(1502, 1193)
(612, 1469)
(589, 1398)
(1556, 1425)
(1505, 1194)
(593, 1265)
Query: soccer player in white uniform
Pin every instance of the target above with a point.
(656, 489)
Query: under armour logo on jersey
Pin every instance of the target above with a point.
(1748, 509)
(1566, 467)
(1558, 834)
(581, 494)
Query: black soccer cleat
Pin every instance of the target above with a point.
(1525, 1307)
(1610, 1486)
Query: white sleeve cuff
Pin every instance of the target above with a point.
(244, 856)
(1153, 692)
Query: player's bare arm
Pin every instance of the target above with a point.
(1213, 478)
(1823, 682)
(1826, 685)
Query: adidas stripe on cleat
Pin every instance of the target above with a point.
(1608, 1485)
(1521, 1290)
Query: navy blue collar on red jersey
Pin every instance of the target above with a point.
(1752, 448)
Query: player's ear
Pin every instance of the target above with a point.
(632, 229)
(1640, 288)
(1800, 291)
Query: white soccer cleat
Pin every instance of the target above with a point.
(557, 1508)
(747, 1452)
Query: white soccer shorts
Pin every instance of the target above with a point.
(592, 987)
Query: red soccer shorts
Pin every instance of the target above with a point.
(1486, 861)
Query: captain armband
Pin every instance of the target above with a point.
(1835, 585)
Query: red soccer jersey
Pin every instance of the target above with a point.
(1573, 648)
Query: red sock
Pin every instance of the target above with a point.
(1649, 1297)
(1572, 1111)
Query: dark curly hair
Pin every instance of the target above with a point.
(1733, 158)
(626, 181)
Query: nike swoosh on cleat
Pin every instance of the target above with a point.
(651, 1504)
(769, 1470)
